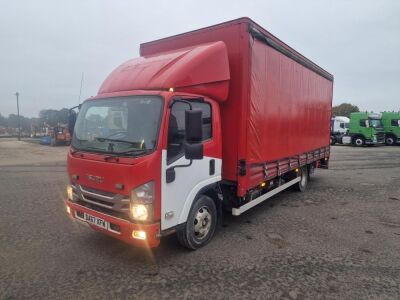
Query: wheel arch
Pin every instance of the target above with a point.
(358, 135)
(391, 135)
(205, 187)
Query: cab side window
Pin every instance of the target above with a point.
(207, 121)
(176, 128)
(395, 123)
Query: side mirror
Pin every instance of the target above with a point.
(193, 125)
(194, 151)
(194, 134)
(71, 121)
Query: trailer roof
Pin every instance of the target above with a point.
(258, 32)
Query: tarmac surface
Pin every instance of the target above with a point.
(338, 240)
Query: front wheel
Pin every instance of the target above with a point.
(201, 224)
(359, 141)
(389, 140)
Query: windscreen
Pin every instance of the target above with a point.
(376, 123)
(120, 124)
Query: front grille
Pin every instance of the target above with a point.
(99, 192)
(380, 136)
(113, 204)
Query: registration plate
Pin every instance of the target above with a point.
(95, 221)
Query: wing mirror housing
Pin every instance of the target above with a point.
(194, 134)
(194, 151)
(71, 121)
(72, 118)
(193, 125)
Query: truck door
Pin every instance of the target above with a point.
(190, 178)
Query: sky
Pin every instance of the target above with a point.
(46, 45)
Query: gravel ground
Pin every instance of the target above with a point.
(338, 240)
(29, 152)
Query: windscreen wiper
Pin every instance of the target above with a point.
(101, 139)
(86, 149)
(118, 154)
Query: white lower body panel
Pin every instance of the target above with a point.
(252, 203)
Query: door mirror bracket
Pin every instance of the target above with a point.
(170, 172)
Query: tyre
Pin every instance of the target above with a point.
(333, 141)
(304, 177)
(389, 140)
(359, 141)
(201, 224)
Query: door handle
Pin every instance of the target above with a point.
(212, 167)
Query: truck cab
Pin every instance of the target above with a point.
(339, 128)
(366, 129)
(120, 143)
(133, 147)
(391, 125)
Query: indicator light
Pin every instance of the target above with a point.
(70, 194)
(140, 235)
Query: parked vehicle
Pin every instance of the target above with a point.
(222, 117)
(339, 128)
(391, 126)
(59, 135)
(365, 129)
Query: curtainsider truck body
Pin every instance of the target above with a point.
(220, 118)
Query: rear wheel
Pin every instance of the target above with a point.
(389, 140)
(201, 224)
(333, 140)
(304, 177)
(359, 141)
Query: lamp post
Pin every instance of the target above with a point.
(19, 122)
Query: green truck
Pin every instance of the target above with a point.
(391, 126)
(365, 129)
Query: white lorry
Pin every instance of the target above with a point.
(339, 128)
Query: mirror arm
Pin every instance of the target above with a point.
(170, 172)
(182, 101)
(182, 166)
(78, 107)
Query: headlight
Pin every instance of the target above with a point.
(70, 194)
(141, 204)
(139, 212)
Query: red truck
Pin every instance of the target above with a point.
(220, 118)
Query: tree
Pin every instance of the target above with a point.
(53, 116)
(344, 109)
(25, 123)
(3, 121)
(63, 115)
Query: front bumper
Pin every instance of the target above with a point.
(123, 228)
